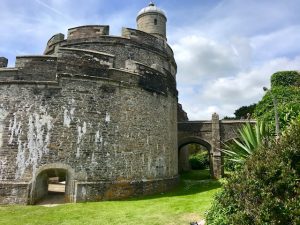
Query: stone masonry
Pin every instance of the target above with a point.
(211, 134)
(99, 110)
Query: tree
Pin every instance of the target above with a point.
(242, 112)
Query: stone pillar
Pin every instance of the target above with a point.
(3, 62)
(216, 159)
(183, 160)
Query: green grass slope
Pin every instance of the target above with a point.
(188, 202)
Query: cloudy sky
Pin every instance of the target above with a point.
(226, 50)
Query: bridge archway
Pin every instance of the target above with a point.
(183, 151)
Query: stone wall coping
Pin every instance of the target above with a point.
(221, 121)
(146, 66)
(37, 56)
(238, 121)
(142, 32)
(100, 38)
(54, 83)
(72, 28)
(196, 121)
(122, 181)
(14, 182)
(87, 77)
(9, 69)
(126, 71)
(88, 51)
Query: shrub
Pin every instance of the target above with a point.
(288, 106)
(199, 161)
(285, 78)
(251, 138)
(266, 190)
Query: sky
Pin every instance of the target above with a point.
(226, 50)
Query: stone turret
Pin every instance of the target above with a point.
(152, 20)
(3, 62)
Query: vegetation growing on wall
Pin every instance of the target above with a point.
(285, 79)
(285, 88)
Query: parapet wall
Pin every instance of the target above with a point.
(3, 62)
(89, 31)
(39, 68)
(133, 44)
(91, 64)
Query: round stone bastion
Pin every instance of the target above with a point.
(97, 113)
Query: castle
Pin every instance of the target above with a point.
(97, 111)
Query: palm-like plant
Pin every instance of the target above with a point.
(251, 138)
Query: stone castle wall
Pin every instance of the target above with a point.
(101, 109)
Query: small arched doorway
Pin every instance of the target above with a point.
(52, 186)
(190, 146)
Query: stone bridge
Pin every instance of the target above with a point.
(211, 134)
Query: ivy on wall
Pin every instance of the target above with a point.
(285, 87)
(285, 79)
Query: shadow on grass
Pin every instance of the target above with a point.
(192, 182)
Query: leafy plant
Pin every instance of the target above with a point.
(285, 78)
(266, 190)
(285, 87)
(251, 138)
(199, 161)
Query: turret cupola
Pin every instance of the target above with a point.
(152, 20)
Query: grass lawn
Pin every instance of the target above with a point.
(188, 202)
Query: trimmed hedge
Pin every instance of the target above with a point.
(285, 78)
(266, 190)
(288, 106)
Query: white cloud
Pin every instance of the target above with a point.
(277, 43)
(226, 56)
(224, 95)
(200, 59)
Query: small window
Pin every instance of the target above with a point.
(155, 21)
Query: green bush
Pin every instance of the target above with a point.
(266, 190)
(288, 106)
(285, 78)
(230, 166)
(199, 161)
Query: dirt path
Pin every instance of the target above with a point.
(56, 196)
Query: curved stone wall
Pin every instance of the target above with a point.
(106, 120)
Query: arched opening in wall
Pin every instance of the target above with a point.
(51, 187)
(155, 21)
(194, 156)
